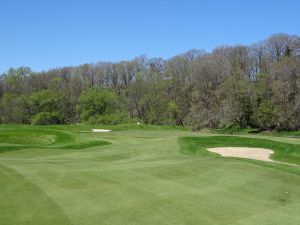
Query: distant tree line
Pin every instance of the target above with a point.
(240, 86)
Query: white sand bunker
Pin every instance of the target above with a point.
(100, 130)
(243, 152)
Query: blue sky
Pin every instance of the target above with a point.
(48, 34)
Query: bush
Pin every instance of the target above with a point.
(99, 106)
(46, 118)
(110, 119)
(266, 116)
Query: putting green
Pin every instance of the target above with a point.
(70, 175)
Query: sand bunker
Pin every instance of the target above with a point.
(100, 130)
(243, 152)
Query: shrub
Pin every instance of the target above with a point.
(98, 106)
(46, 118)
(110, 119)
(266, 116)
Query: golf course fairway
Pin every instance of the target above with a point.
(63, 175)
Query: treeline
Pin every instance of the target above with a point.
(240, 86)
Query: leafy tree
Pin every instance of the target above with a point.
(8, 108)
(46, 104)
(14, 109)
(44, 101)
(15, 79)
(266, 116)
(100, 106)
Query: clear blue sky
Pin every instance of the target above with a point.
(47, 34)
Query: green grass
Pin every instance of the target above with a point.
(68, 175)
(20, 137)
(294, 134)
(240, 131)
(285, 152)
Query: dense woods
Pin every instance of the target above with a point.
(232, 86)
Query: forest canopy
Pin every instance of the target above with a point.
(254, 86)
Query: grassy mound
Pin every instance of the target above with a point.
(15, 138)
(26, 138)
(284, 152)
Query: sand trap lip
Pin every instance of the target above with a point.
(244, 152)
(100, 130)
(248, 153)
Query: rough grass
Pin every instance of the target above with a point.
(154, 176)
(240, 131)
